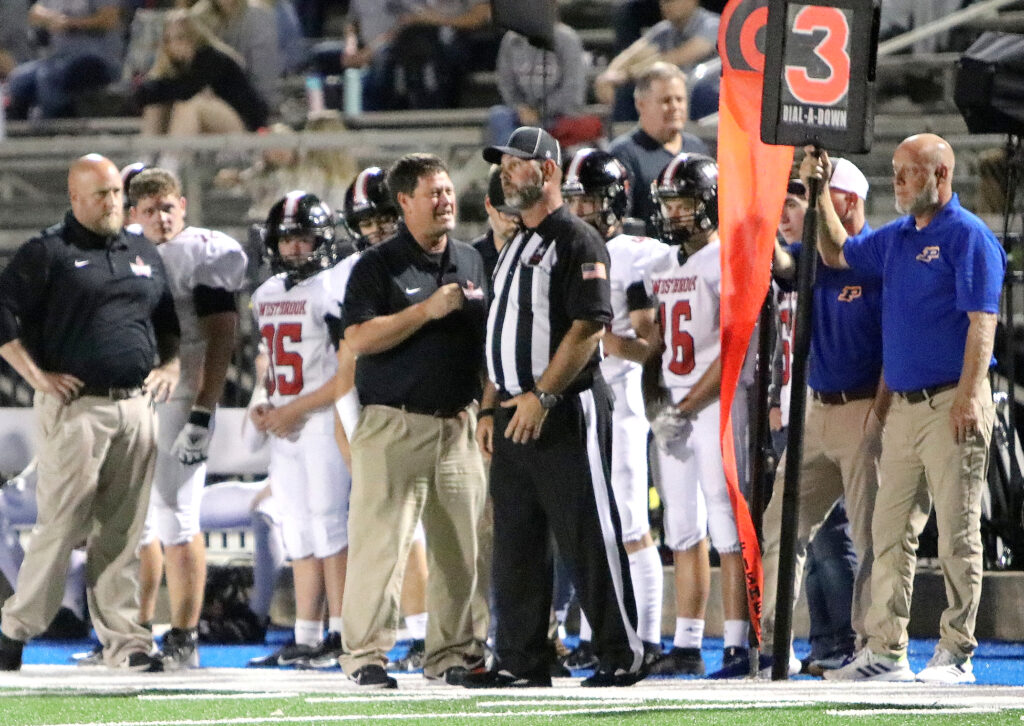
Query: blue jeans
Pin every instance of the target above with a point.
(829, 573)
(52, 83)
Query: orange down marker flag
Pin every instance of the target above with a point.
(751, 191)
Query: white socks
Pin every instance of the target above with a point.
(308, 632)
(736, 633)
(334, 624)
(689, 633)
(417, 626)
(648, 585)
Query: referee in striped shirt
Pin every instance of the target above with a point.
(549, 429)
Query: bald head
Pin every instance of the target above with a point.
(96, 194)
(922, 168)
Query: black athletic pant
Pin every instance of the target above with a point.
(560, 484)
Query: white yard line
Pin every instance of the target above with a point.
(910, 711)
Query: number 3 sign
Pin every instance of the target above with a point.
(819, 73)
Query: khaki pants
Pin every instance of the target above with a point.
(921, 464)
(95, 468)
(838, 460)
(404, 466)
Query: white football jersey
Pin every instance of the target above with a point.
(296, 338)
(688, 298)
(198, 257)
(629, 256)
(337, 280)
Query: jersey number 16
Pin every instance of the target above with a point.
(679, 342)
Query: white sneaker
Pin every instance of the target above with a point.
(866, 666)
(944, 667)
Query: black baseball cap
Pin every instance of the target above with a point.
(527, 142)
(796, 187)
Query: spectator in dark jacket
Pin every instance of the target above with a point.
(197, 85)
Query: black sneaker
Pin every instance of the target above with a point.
(679, 662)
(412, 660)
(180, 649)
(10, 653)
(452, 676)
(374, 676)
(735, 664)
(606, 676)
(581, 657)
(290, 655)
(327, 652)
(506, 679)
(142, 662)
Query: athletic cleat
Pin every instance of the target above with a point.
(652, 651)
(679, 662)
(605, 677)
(506, 679)
(290, 655)
(945, 667)
(373, 676)
(327, 652)
(736, 663)
(180, 649)
(866, 666)
(581, 657)
(412, 660)
(142, 662)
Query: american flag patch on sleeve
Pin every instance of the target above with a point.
(594, 271)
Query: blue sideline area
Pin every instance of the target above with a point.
(995, 662)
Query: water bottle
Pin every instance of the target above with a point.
(314, 94)
(353, 91)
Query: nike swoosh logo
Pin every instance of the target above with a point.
(81, 263)
(412, 290)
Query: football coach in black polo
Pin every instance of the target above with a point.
(549, 429)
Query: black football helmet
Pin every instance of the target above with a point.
(368, 196)
(693, 176)
(298, 213)
(596, 173)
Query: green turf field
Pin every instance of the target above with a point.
(63, 695)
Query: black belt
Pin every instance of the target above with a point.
(113, 393)
(843, 396)
(923, 394)
(436, 413)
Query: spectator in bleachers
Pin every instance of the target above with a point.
(250, 27)
(661, 102)
(197, 85)
(83, 52)
(370, 28)
(686, 36)
(538, 87)
(14, 47)
(455, 37)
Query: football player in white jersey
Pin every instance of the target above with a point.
(687, 287)
(595, 187)
(206, 269)
(371, 216)
(297, 316)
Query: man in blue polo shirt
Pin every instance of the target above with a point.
(845, 366)
(942, 272)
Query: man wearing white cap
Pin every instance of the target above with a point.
(846, 396)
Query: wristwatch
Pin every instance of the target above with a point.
(547, 400)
